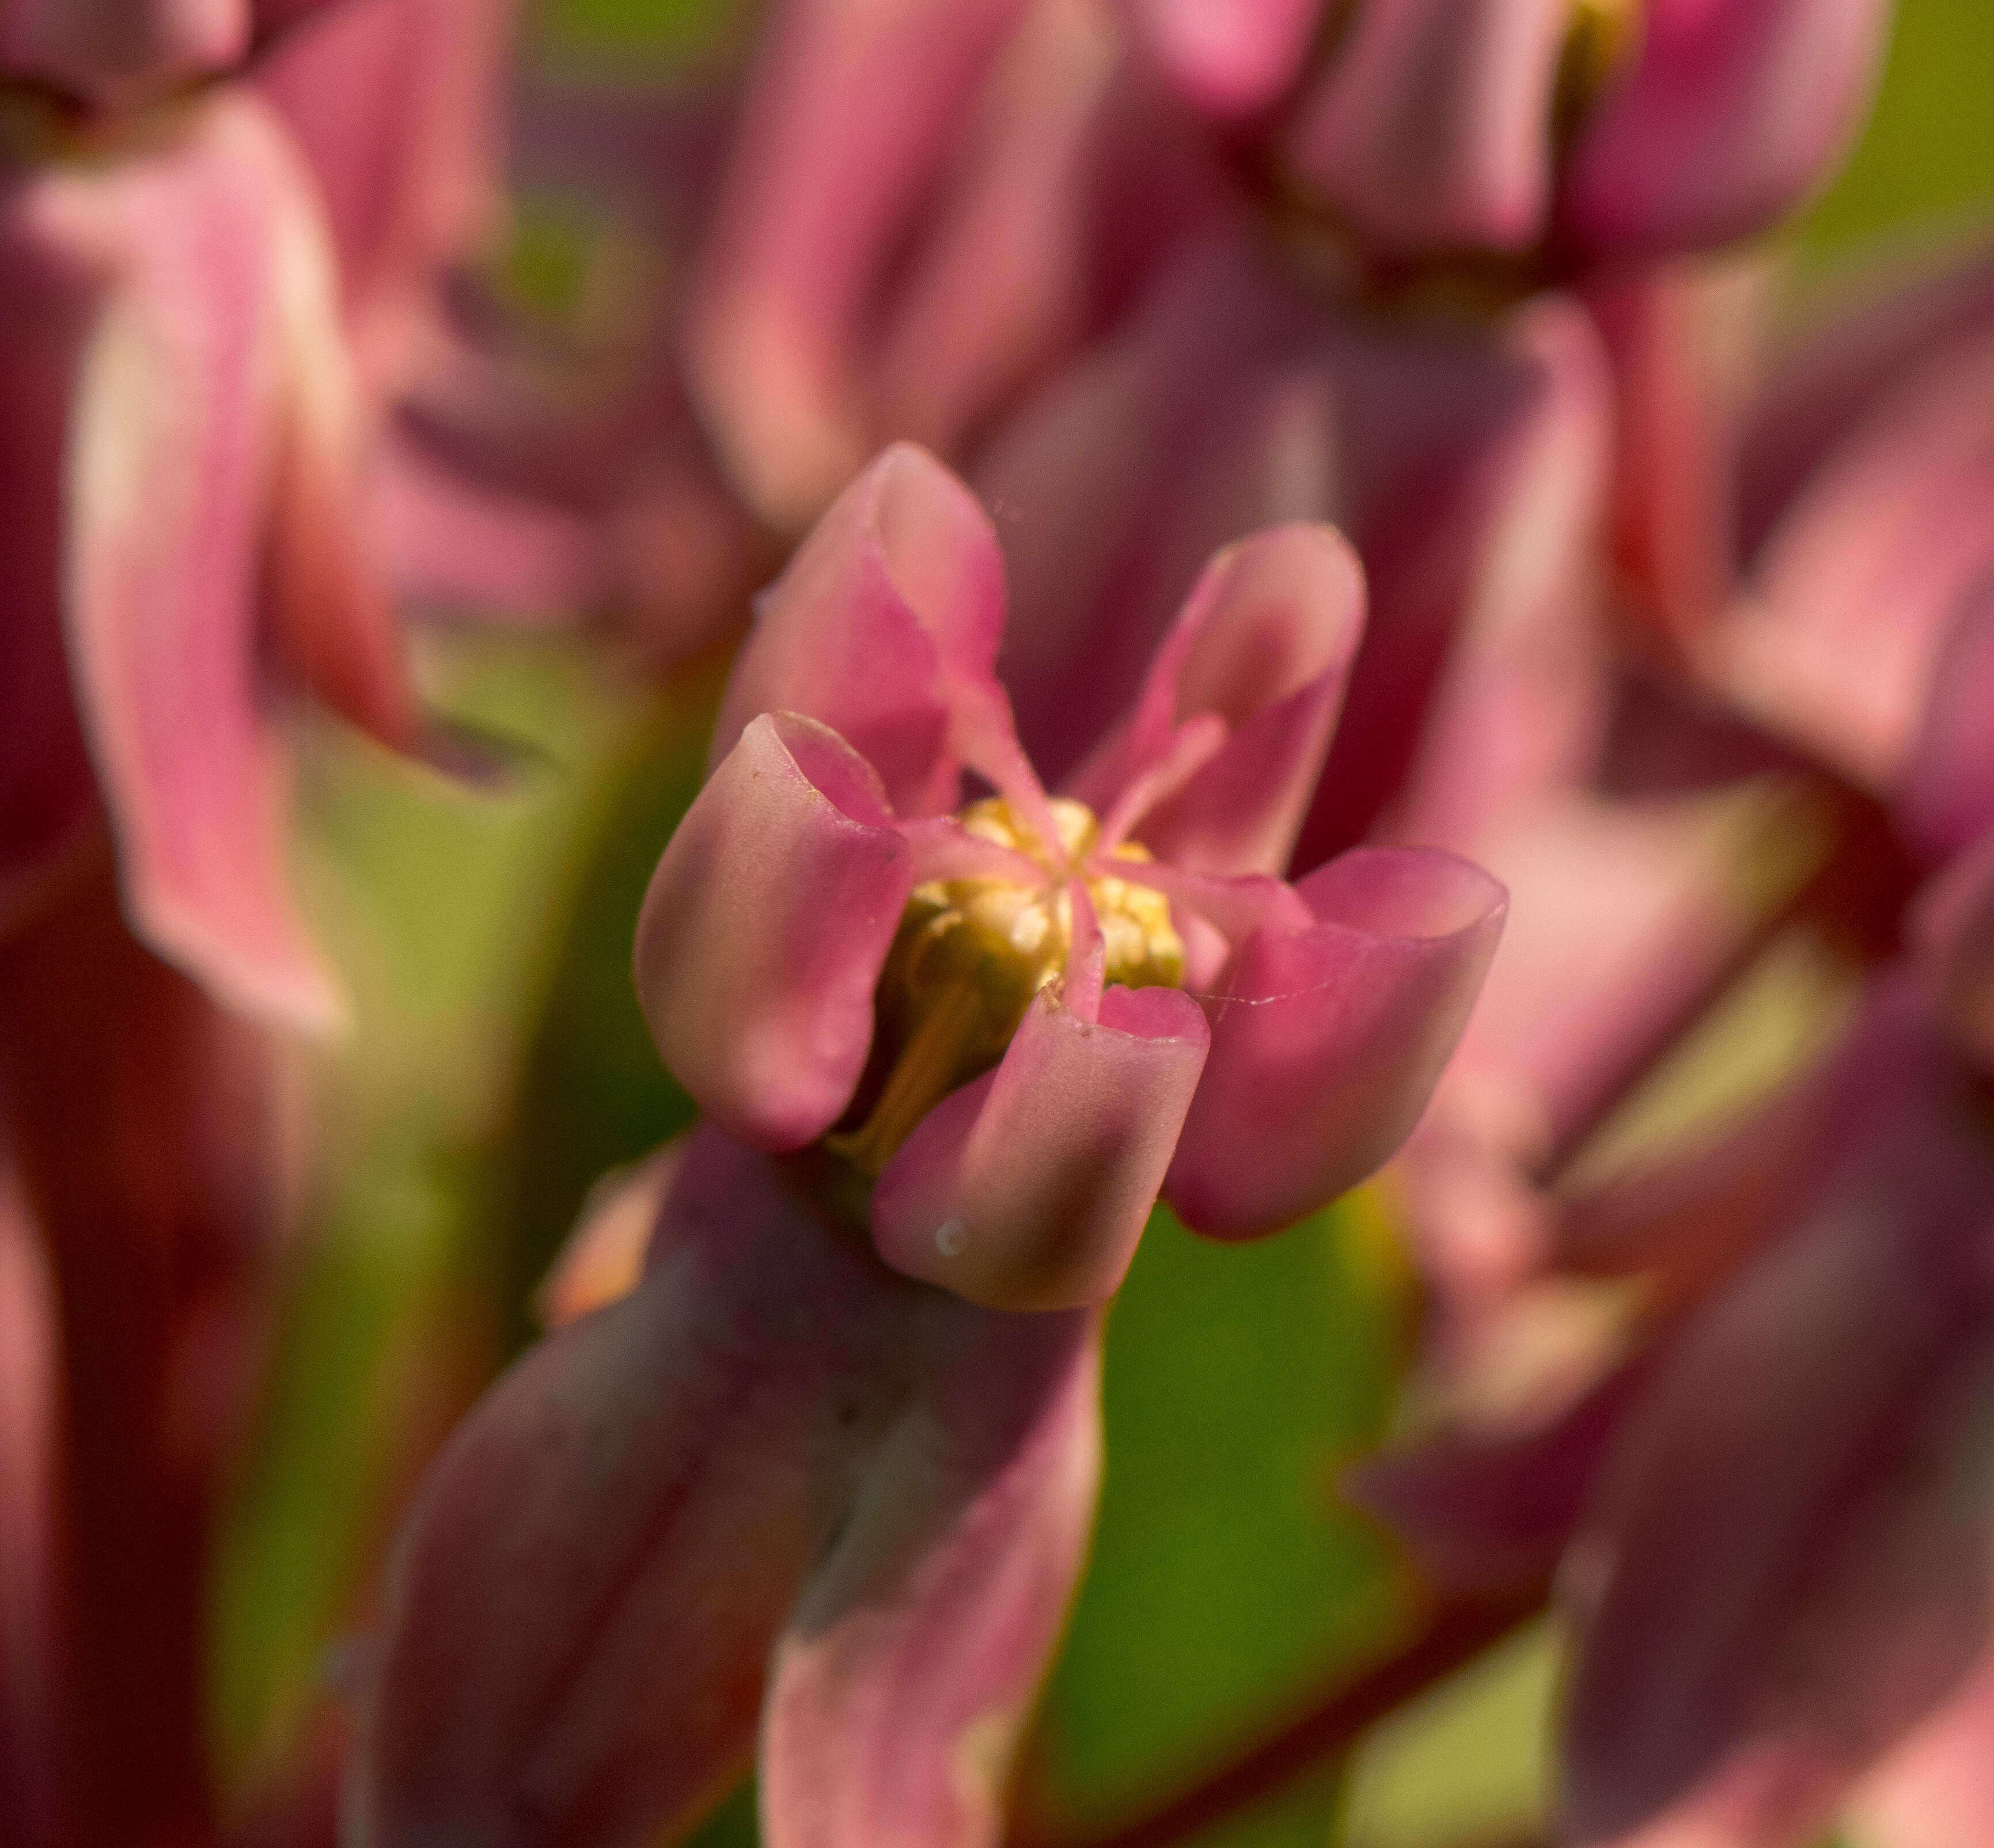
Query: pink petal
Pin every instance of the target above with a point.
(1433, 127)
(820, 191)
(1949, 801)
(120, 51)
(1936, 1790)
(904, 1675)
(1729, 115)
(1327, 1043)
(1228, 59)
(1029, 1188)
(898, 585)
(767, 923)
(602, 1261)
(1264, 643)
(1786, 1563)
(1952, 935)
(580, 1611)
(166, 557)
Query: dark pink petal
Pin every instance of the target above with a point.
(1949, 800)
(174, 442)
(1326, 1043)
(904, 1673)
(847, 124)
(1264, 643)
(120, 51)
(1028, 1188)
(1729, 116)
(899, 585)
(1864, 577)
(766, 927)
(1433, 126)
(1952, 933)
(581, 1609)
(1787, 1564)
(1228, 59)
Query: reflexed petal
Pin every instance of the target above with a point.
(119, 51)
(899, 584)
(1264, 643)
(1230, 59)
(1029, 1188)
(903, 1677)
(1786, 1563)
(1729, 115)
(1326, 1043)
(767, 923)
(818, 197)
(1433, 127)
(581, 1609)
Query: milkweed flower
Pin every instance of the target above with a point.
(831, 1462)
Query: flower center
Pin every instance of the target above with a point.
(970, 955)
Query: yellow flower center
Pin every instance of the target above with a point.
(970, 955)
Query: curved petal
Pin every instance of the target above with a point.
(848, 124)
(120, 51)
(902, 1680)
(1029, 1188)
(580, 1610)
(1264, 643)
(1729, 115)
(173, 441)
(602, 1260)
(765, 926)
(1228, 59)
(1326, 1043)
(1433, 127)
(1949, 799)
(899, 585)
(1786, 1564)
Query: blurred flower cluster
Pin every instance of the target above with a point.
(1258, 621)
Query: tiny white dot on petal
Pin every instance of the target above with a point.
(951, 1238)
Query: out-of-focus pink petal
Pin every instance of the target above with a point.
(1432, 127)
(1952, 932)
(580, 1611)
(118, 52)
(1786, 1563)
(1264, 643)
(767, 923)
(603, 1259)
(821, 188)
(1326, 1043)
(174, 440)
(1863, 579)
(1727, 117)
(1228, 59)
(902, 1677)
(396, 102)
(1937, 1789)
(1949, 799)
(899, 585)
(1028, 1188)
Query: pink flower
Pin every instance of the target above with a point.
(781, 1476)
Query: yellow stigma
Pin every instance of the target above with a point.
(970, 955)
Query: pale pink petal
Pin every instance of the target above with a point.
(1433, 126)
(580, 1610)
(1862, 580)
(1787, 1564)
(1264, 643)
(175, 440)
(602, 1260)
(767, 923)
(1326, 1043)
(1949, 798)
(1729, 115)
(904, 1676)
(847, 123)
(1228, 59)
(899, 584)
(1936, 1790)
(1028, 1188)
(119, 53)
